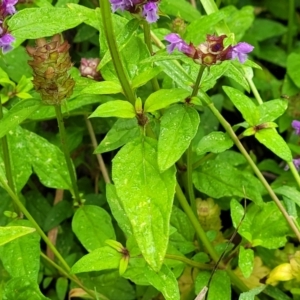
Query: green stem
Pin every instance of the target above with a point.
(290, 25)
(198, 163)
(254, 89)
(211, 7)
(190, 186)
(102, 166)
(189, 153)
(207, 245)
(67, 275)
(114, 52)
(189, 262)
(63, 139)
(198, 80)
(6, 159)
(147, 39)
(294, 172)
(34, 223)
(199, 230)
(239, 145)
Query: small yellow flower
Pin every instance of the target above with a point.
(283, 272)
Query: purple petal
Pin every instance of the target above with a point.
(5, 42)
(296, 163)
(150, 12)
(176, 42)
(239, 51)
(243, 47)
(7, 7)
(120, 4)
(173, 38)
(296, 126)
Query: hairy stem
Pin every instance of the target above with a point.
(294, 172)
(67, 275)
(63, 139)
(113, 48)
(34, 223)
(99, 156)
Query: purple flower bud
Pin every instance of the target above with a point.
(88, 68)
(150, 12)
(120, 4)
(296, 163)
(7, 8)
(6, 40)
(176, 42)
(240, 51)
(296, 126)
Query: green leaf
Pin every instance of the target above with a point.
(122, 40)
(246, 261)
(196, 32)
(290, 192)
(135, 173)
(219, 288)
(13, 60)
(115, 108)
(61, 287)
(11, 233)
(21, 257)
(250, 295)
(117, 209)
(57, 214)
(21, 166)
(163, 280)
(273, 53)
(23, 288)
(273, 141)
(122, 132)
(264, 226)
(177, 74)
(293, 68)
(245, 105)
(179, 8)
(23, 25)
(52, 171)
(263, 29)
(18, 114)
(178, 127)
(236, 212)
(144, 77)
(105, 258)
(271, 110)
(103, 87)
(92, 15)
(235, 72)
(214, 142)
(220, 179)
(163, 98)
(92, 226)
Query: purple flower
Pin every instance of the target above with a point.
(176, 42)
(240, 51)
(7, 8)
(6, 40)
(120, 4)
(296, 163)
(150, 12)
(296, 126)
